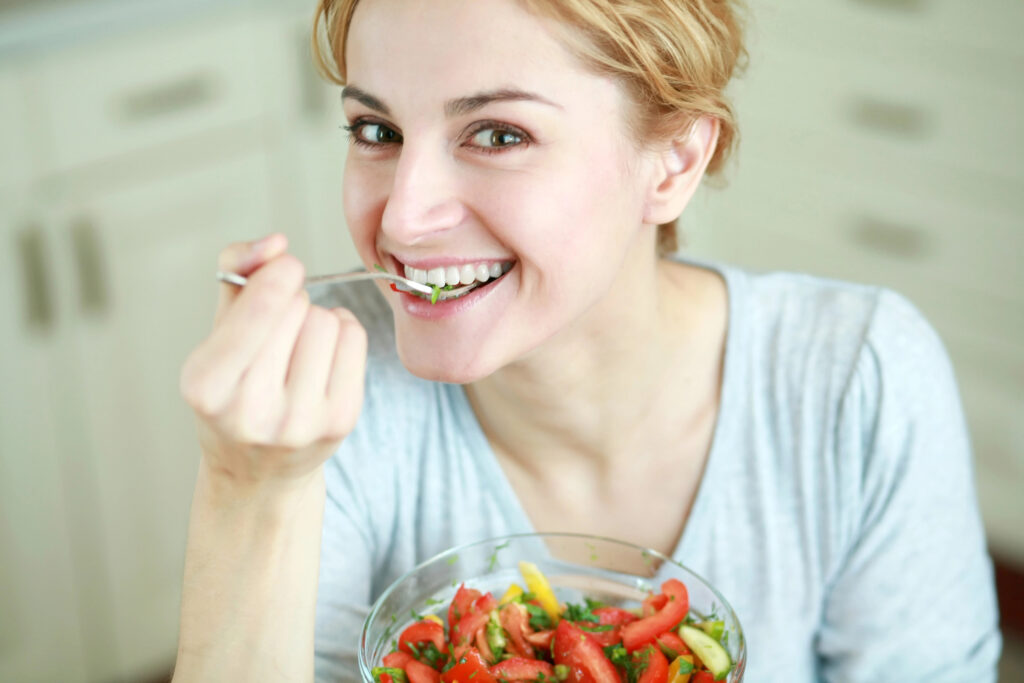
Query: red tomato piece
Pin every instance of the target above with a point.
(465, 631)
(656, 670)
(397, 660)
(602, 637)
(463, 600)
(386, 678)
(653, 603)
(522, 669)
(672, 645)
(614, 615)
(541, 639)
(584, 657)
(644, 631)
(516, 622)
(702, 677)
(418, 672)
(421, 633)
(469, 668)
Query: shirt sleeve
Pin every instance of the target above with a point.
(914, 598)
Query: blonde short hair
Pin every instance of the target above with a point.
(673, 57)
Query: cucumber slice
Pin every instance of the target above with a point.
(715, 629)
(710, 651)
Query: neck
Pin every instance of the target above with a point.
(628, 377)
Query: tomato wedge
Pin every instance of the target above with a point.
(581, 653)
(516, 622)
(656, 670)
(614, 615)
(470, 668)
(644, 631)
(672, 645)
(418, 672)
(461, 603)
(396, 660)
(702, 677)
(421, 633)
(522, 669)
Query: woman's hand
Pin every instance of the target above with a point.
(279, 382)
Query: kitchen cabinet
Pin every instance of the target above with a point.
(875, 148)
(128, 164)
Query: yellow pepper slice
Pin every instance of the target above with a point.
(434, 618)
(513, 592)
(538, 584)
(674, 675)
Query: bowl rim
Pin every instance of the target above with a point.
(364, 666)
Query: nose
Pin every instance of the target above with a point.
(422, 201)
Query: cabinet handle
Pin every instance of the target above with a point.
(892, 118)
(173, 97)
(93, 293)
(890, 238)
(39, 309)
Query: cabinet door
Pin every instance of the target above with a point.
(144, 258)
(40, 629)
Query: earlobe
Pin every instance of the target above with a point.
(681, 167)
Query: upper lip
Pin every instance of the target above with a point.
(427, 263)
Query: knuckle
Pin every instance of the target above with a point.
(231, 255)
(284, 272)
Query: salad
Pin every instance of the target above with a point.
(527, 635)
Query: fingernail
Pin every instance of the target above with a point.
(257, 246)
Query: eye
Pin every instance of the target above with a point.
(368, 133)
(493, 138)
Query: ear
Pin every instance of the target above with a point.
(679, 168)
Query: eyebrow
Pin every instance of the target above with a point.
(457, 107)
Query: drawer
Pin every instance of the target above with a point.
(812, 236)
(991, 26)
(133, 95)
(930, 236)
(890, 108)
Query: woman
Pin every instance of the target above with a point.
(798, 442)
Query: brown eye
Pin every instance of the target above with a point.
(494, 137)
(375, 134)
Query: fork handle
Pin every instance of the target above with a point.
(240, 280)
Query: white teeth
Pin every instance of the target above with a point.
(435, 276)
(465, 274)
(451, 275)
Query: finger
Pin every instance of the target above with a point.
(348, 370)
(269, 370)
(223, 358)
(243, 258)
(311, 361)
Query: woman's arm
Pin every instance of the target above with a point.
(276, 387)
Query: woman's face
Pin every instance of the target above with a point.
(479, 140)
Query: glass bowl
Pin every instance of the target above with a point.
(576, 565)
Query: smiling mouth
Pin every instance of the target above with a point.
(452, 282)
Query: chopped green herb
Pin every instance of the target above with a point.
(430, 655)
(379, 267)
(599, 628)
(539, 619)
(435, 295)
(574, 612)
(494, 555)
(416, 616)
(562, 672)
(685, 667)
(394, 618)
(397, 675)
(472, 673)
(452, 560)
(433, 601)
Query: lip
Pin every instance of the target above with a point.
(442, 262)
(422, 308)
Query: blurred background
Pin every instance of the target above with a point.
(881, 142)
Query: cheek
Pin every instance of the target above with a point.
(363, 198)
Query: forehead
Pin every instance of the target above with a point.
(438, 49)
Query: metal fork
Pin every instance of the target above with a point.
(240, 280)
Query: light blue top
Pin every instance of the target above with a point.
(837, 513)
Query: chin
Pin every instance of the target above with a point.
(451, 364)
